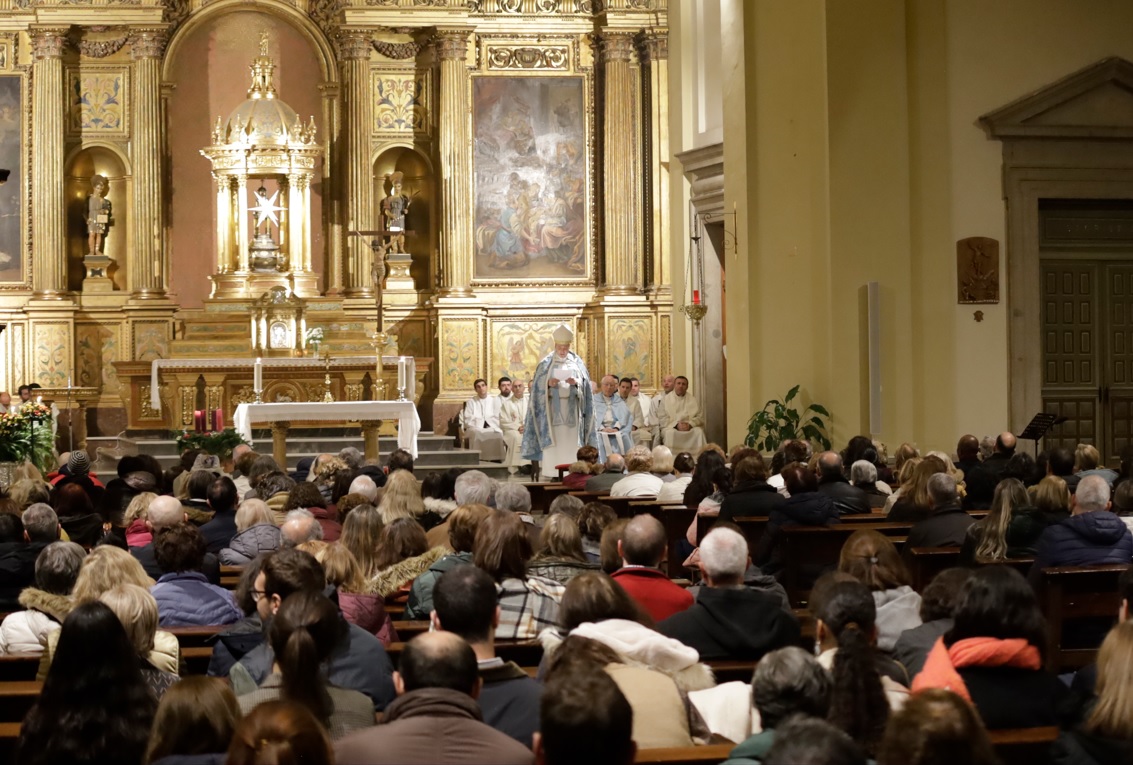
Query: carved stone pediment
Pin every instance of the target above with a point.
(1095, 103)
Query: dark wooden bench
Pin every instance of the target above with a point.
(230, 576)
(19, 666)
(689, 755)
(818, 547)
(16, 698)
(1023, 746)
(1077, 600)
(525, 653)
(406, 631)
(192, 637)
(543, 494)
(926, 562)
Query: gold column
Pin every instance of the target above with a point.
(655, 52)
(243, 235)
(622, 197)
(332, 195)
(49, 254)
(456, 162)
(146, 271)
(355, 46)
(224, 263)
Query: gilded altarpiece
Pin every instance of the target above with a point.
(15, 144)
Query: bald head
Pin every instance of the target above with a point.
(643, 542)
(968, 447)
(166, 512)
(301, 526)
(1005, 444)
(668, 382)
(830, 466)
(438, 660)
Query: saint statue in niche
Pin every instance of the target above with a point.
(98, 215)
(394, 209)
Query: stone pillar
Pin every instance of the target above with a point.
(355, 46)
(456, 163)
(621, 189)
(655, 243)
(146, 268)
(49, 251)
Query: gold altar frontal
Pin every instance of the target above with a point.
(225, 385)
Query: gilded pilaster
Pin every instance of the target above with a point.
(147, 267)
(456, 162)
(243, 235)
(621, 190)
(655, 54)
(355, 46)
(49, 254)
(224, 264)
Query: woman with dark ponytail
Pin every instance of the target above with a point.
(303, 633)
(866, 684)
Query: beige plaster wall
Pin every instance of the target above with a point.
(853, 154)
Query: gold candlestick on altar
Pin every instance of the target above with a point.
(327, 397)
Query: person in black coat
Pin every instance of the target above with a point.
(729, 620)
(863, 475)
(17, 559)
(805, 507)
(751, 494)
(219, 531)
(848, 499)
(981, 483)
(947, 525)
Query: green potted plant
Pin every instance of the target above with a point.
(220, 442)
(25, 435)
(778, 421)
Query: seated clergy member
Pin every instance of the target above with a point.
(642, 547)
(730, 620)
(480, 421)
(612, 420)
(586, 719)
(682, 426)
(435, 719)
(358, 662)
(465, 603)
(638, 481)
(513, 415)
(1091, 536)
(645, 431)
(947, 525)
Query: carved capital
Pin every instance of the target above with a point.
(147, 43)
(355, 44)
(47, 42)
(451, 44)
(655, 45)
(615, 46)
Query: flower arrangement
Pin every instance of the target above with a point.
(25, 434)
(314, 337)
(220, 442)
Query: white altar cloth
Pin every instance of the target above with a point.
(409, 422)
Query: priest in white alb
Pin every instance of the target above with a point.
(640, 431)
(513, 419)
(560, 413)
(682, 423)
(480, 421)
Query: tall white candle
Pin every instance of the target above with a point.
(400, 372)
(258, 375)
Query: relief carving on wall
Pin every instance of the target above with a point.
(401, 104)
(98, 101)
(519, 346)
(460, 349)
(977, 270)
(397, 51)
(528, 58)
(49, 353)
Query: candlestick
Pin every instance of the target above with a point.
(696, 297)
(401, 372)
(258, 378)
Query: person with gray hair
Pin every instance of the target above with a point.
(47, 602)
(638, 481)
(832, 482)
(300, 526)
(353, 457)
(17, 566)
(165, 512)
(730, 620)
(1091, 536)
(863, 475)
(567, 505)
(947, 523)
(516, 498)
(365, 486)
(614, 471)
(788, 682)
(662, 463)
(474, 487)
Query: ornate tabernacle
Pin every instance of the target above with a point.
(279, 326)
(263, 154)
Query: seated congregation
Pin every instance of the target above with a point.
(685, 608)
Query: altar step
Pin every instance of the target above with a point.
(435, 453)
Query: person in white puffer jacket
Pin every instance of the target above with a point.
(47, 603)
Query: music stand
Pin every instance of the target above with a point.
(1038, 426)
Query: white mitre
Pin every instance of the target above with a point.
(563, 335)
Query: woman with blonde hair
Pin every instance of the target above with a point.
(1051, 497)
(402, 497)
(256, 533)
(136, 608)
(951, 469)
(1107, 734)
(367, 610)
(196, 718)
(361, 534)
(914, 504)
(873, 560)
(560, 556)
(138, 534)
(901, 479)
(325, 472)
(1011, 529)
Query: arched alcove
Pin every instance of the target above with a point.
(418, 184)
(81, 167)
(208, 66)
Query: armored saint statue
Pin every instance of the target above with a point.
(394, 209)
(98, 215)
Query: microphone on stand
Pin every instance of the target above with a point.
(70, 419)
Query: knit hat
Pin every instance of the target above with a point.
(209, 462)
(79, 464)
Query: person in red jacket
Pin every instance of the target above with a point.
(642, 548)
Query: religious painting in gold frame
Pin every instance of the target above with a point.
(15, 265)
(531, 179)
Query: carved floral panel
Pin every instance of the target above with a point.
(401, 103)
(49, 353)
(519, 346)
(460, 348)
(98, 101)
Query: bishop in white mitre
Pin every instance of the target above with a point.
(480, 421)
(682, 424)
(513, 416)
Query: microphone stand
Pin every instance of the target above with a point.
(70, 419)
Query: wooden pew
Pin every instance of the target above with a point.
(406, 631)
(191, 637)
(230, 576)
(195, 660)
(1076, 597)
(818, 548)
(525, 653)
(19, 666)
(1023, 746)
(16, 698)
(543, 494)
(927, 562)
(690, 755)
